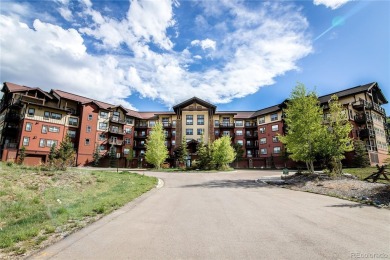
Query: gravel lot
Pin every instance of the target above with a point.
(343, 187)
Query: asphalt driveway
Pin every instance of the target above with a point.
(229, 216)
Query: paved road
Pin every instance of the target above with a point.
(229, 216)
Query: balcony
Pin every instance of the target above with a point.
(251, 146)
(11, 145)
(226, 125)
(140, 146)
(71, 111)
(365, 133)
(168, 136)
(250, 125)
(12, 117)
(362, 104)
(251, 136)
(378, 108)
(362, 119)
(232, 135)
(117, 120)
(166, 125)
(371, 148)
(140, 136)
(142, 126)
(115, 142)
(32, 100)
(116, 131)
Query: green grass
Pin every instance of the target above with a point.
(362, 173)
(35, 204)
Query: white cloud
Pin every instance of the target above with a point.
(255, 45)
(49, 56)
(65, 13)
(204, 44)
(333, 4)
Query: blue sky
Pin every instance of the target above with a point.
(239, 55)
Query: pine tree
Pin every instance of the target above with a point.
(22, 154)
(181, 152)
(204, 151)
(52, 155)
(156, 150)
(303, 117)
(239, 152)
(96, 157)
(223, 152)
(112, 157)
(65, 154)
(361, 158)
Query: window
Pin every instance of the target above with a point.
(87, 141)
(239, 132)
(42, 142)
(73, 121)
(129, 120)
(127, 141)
(28, 127)
(263, 151)
(262, 130)
(200, 120)
(56, 116)
(173, 133)
(216, 132)
(262, 120)
(189, 120)
(103, 114)
(239, 123)
(226, 120)
(89, 117)
(274, 117)
(31, 112)
(128, 130)
(152, 123)
(26, 141)
(44, 129)
(275, 139)
(102, 147)
(275, 128)
(46, 114)
(72, 133)
(226, 133)
(89, 129)
(102, 137)
(189, 131)
(200, 131)
(216, 122)
(54, 129)
(114, 129)
(103, 126)
(50, 143)
(249, 153)
(174, 123)
(263, 140)
(276, 149)
(173, 142)
(240, 142)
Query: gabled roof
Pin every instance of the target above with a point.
(355, 90)
(12, 87)
(194, 100)
(267, 110)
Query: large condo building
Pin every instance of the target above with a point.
(37, 119)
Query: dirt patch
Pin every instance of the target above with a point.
(345, 187)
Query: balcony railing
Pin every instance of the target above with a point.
(364, 133)
(360, 104)
(378, 108)
(251, 146)
(371, 148)
(116, 131)
(12, 117)
(232, 135)
(250, 125)
(226, 125)
(141, 126)
(166, 125)
(11, 145)
(115, 142)
(140, 136)
(139, 146)
(251, 135)
(116, 119)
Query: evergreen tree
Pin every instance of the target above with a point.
(96, 157)
(22, 154)
(52, 155)
(112, 157)
(156, 150)
(181, 151)
(65, 154)
(129, 157)
(361, 158)
(336, 140)
(239, 152)
(204, 151)
(303, 117)
(222, 152)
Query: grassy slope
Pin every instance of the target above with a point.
(362, 173)
(36, 205)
